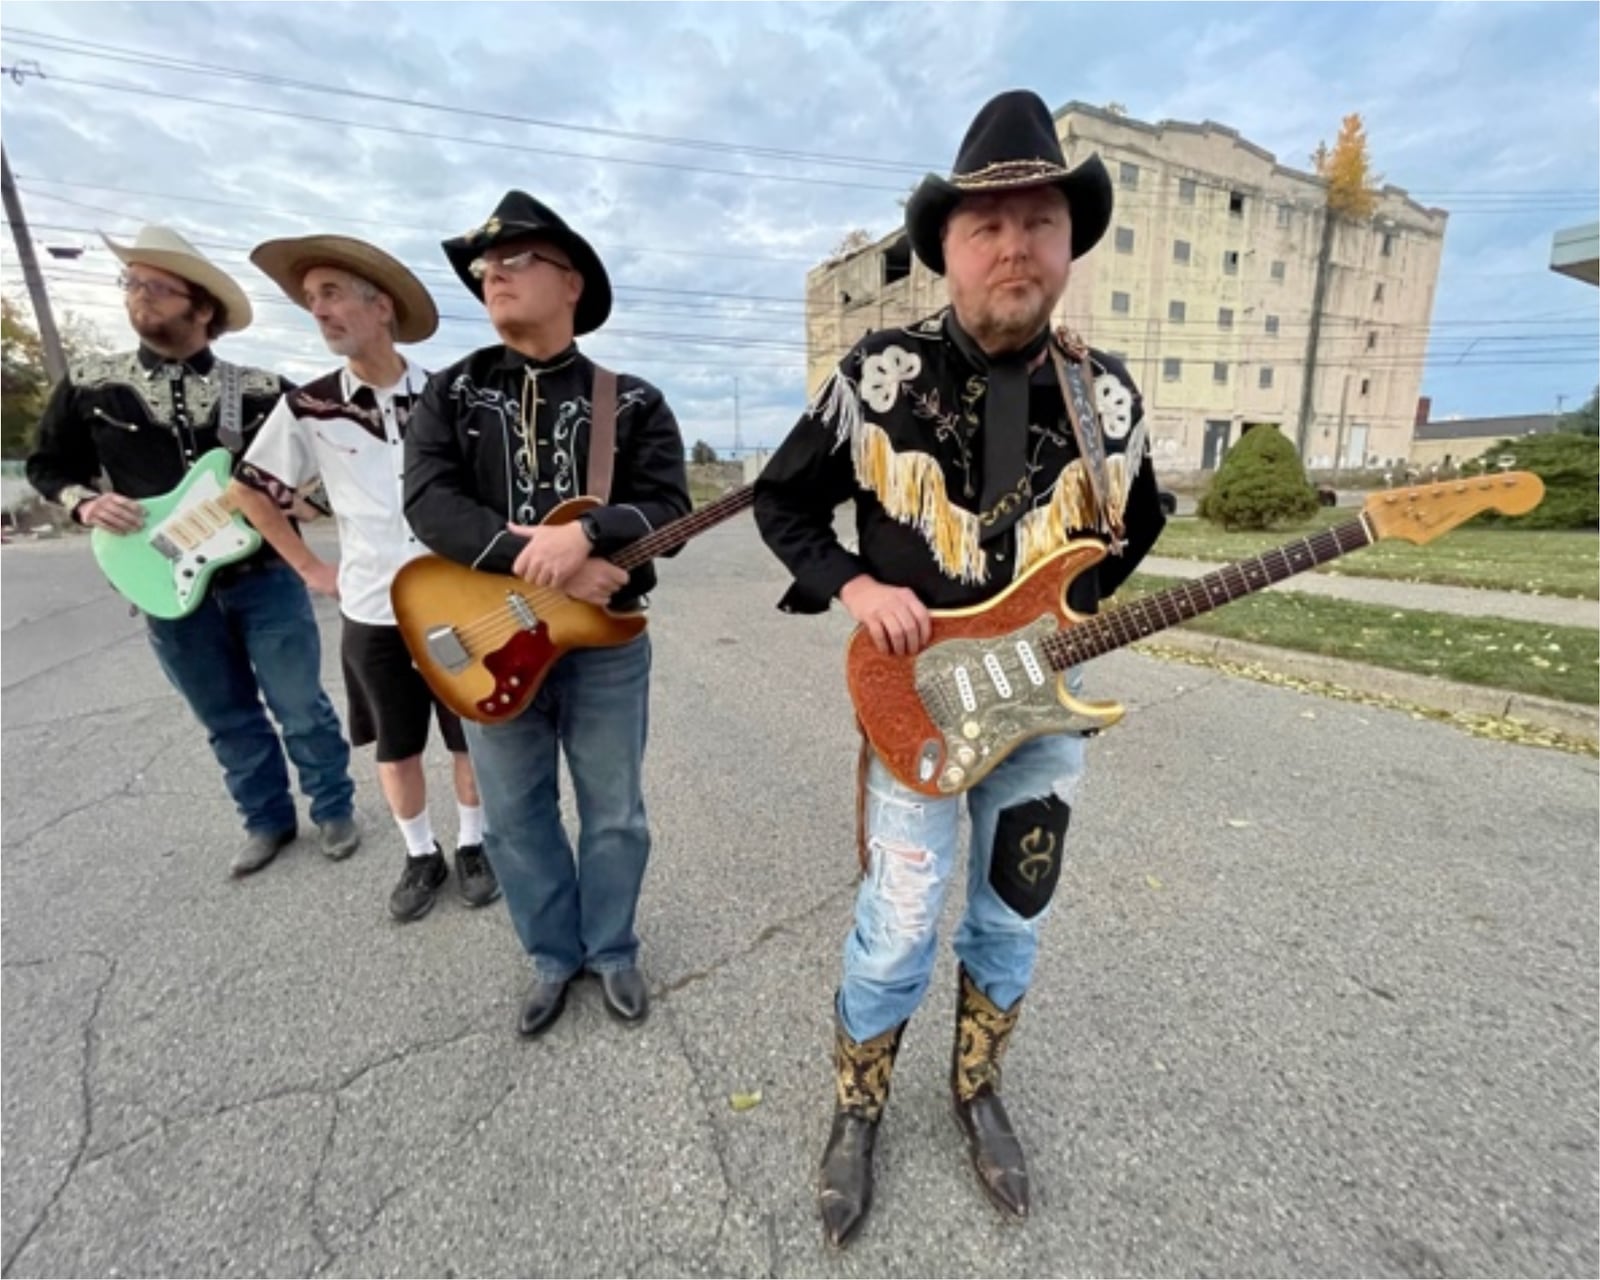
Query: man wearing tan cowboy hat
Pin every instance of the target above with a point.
(968, 465)
(144, 417)
(347, 427)
(496, 443)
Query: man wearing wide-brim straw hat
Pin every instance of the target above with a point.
(974, 443)
(144, 417)
(346, 427)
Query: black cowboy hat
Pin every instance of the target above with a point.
(519, 216)
(1012, 144)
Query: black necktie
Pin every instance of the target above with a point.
(1005, 422)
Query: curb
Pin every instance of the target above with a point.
(1566, 718)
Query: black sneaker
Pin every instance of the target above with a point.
(419, 886)
(475, 877)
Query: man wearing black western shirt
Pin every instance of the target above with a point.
(497, 441)
(144, 418)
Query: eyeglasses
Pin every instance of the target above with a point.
(156, 290)
(512, 263)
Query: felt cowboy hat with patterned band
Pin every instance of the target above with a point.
(1012, 144)
(164, 249)
(519, 216)
(287, 261)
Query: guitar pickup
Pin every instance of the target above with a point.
(445, 648)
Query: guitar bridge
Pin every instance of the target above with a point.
(522, 611)
(445, 647)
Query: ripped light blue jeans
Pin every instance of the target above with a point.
(912, 845)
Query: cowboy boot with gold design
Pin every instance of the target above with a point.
(982, 1032)
(861, 1084)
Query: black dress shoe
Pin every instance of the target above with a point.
(544, 1005)
(626, 997)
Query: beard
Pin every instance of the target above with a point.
(173, 332)
(1008, 326)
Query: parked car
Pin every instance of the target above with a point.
(1168, 500)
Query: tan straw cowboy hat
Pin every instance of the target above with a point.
(164, 249)
(287, 261)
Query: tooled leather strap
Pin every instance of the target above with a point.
(602, 433)
(1079, 400)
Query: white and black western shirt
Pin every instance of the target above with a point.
(350, 434)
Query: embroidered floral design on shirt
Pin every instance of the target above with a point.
(881, 376)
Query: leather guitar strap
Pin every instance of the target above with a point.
(863, 763)
(602, 433)
(1075, 383)
(230, 416)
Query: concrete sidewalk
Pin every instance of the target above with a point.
(1557, 611)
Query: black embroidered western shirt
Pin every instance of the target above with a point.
(499, 438)
(897, 429)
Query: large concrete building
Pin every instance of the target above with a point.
(1207, 284)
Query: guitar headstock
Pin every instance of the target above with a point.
(1423, 512)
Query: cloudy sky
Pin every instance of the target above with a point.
(712, 153)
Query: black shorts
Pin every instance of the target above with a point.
(390, 702)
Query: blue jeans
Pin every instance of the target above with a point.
(571, 916)
(254, 635)
(912, 844)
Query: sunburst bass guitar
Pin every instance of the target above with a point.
(992, 677)
(485, 642)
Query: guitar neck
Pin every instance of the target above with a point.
(674, 535)
(1150, 614)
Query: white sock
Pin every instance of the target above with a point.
(471, 824)
(418, 833)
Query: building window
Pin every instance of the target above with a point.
(1124, 239)
(1121, 304)
(1366, 385)
(1129, 176)
(897, 261)
(1177, 312)
(1377, 292)
(1266, 377)
(1224, 317)
(1285, 214)
(1272, 326)
(1277, 271)
(1236, 204)
(1372, 339)
(1180, 251)
(1230, 263)
(1219, 372)
(1171, 369)
(1388, 244)
(1185, 190)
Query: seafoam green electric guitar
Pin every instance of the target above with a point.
(188, 535)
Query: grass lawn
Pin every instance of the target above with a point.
(1544, 562)
(1526, 657)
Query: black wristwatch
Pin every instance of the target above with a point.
(590, 528)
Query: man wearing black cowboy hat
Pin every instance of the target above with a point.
(497, 441)
(955, 439)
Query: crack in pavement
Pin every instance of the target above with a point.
(124, 792)
(87, 1093)
(57, 721)
(65, 662)
(760, 940)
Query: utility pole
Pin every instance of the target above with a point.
(1338, 440)
(1560, 400)
(738, 444)
(1318, 296)
(55, 360)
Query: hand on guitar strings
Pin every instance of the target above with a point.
(896, 620)
(596, 581)
(113, 512)
(553, 554)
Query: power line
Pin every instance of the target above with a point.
(115, 53)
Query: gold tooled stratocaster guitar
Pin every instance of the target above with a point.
(484, 642)
(991, 676)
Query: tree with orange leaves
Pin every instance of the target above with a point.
(1352, 186)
